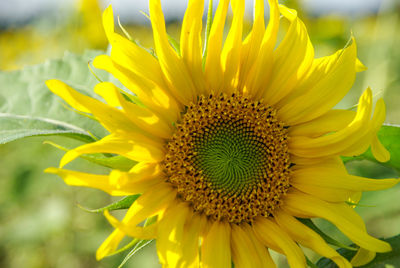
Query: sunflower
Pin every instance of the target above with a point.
(234, 145)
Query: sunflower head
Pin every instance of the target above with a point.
(233, 144)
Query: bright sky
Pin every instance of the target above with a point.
(19, 10)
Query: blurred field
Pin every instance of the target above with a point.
(40, 223)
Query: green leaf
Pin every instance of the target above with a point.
(389, 135)
(15, 127)
(389, 259)
(124, 203)
(28, 108)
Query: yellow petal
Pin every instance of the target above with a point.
(105, 90)
(141, 116)
(260, 74)
(230, 56)
(292, 59)
(136, 147)
(175, 71)
(213, 68)
(149, 204)
(137, 59)
(330, 80)
(170, 234)
(247, 251)
(362, 257)
(215, 250)
(332, 178)
(336, 143)
(301, 162)
(129, 55)
(268, 230)
(327, 194)
(110, 244)
(149, 93)
(366, 138)
(66, 93)
(147, 233)
(75, 178)
(252, 43)
(117, 183)
(307, 237)
(333, 120)
(355, 198)
(360, 67)
(108, 22)
(379, 151)
(111, 118)
(141, 178)
(190, 44)
(341, 215)
(190, 240)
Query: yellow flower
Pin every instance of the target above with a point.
(231, 154)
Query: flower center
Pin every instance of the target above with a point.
(229, 158)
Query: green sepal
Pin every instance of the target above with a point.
(141, 244)
(124, 203)
(388, 259)
(114, 162)
(175, 44)
(126, 247)
(125, 31)
(309, 223)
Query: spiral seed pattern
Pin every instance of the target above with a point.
(229, 158)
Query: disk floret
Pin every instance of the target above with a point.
(229, 158)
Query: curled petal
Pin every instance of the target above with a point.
(336, 143)
(307, 237)
(328, 82)
(340, 214)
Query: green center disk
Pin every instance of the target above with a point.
(231, 157)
